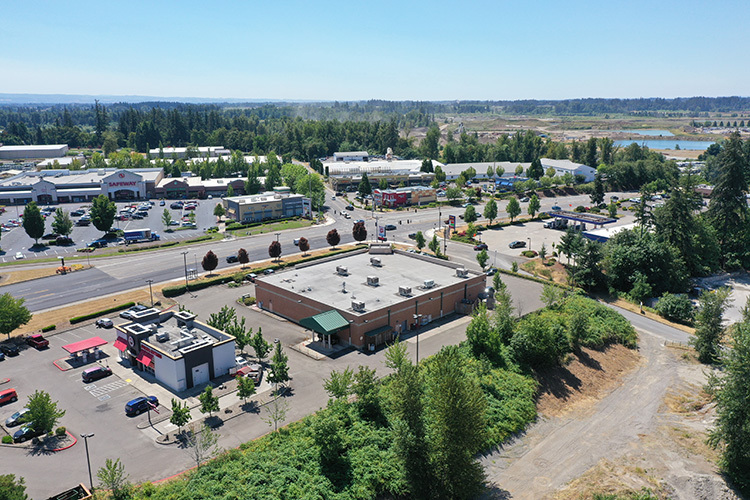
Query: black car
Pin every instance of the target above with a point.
(141, 404)
(390, 227)
(517, 244)
(10, 349)
(480, 246)
(26, 432)
(350, 207)
(232, 258)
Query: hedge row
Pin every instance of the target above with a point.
(238, 225)
(149, 247)
(199, 239)
(92, 315)
(48, 328)
(174, 291)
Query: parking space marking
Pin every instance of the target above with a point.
(103, 398)
(101, 391)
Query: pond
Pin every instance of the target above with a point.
(648, 132)
(667, 144)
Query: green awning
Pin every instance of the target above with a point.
(326, 323)
(378, 331)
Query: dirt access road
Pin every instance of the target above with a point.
(557, 450)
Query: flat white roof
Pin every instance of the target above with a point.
(47, 147)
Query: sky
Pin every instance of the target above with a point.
(394, 50)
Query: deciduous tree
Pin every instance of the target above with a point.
(279, 370)
(274, 250)
(513, 209)
(534, 205)
(333, 238)
(242, 256)
(419, 240)
(62, 224)
(490, 210)
(103, 213)
(210, 261)
(260, 345)
(709, 328)
(202, 443)
(112, 477)
(304, 245)
(43, 412)
(470, 214)
(339, 383)
(359, 232)
(209, 402)
(180, 414)
(12, 313)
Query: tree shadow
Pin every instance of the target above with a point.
(250, 407)
(495, 493)
(214, 421)
(587, 360)
(558, 381)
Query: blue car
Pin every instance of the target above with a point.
(555, 207)
(139, 405)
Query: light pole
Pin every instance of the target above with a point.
(184, 260)
(417, 317)
(529, 243)
(88, 460)
(150, 291)
(277, 236)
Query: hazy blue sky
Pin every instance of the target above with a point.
(349, 50)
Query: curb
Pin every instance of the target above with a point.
(70, 445)
(60, 367)
(5, 381)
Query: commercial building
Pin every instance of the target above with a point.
(416, 195)
(33, 151)
(351, 156)
(68, 186)
(500, 169)
(177, 153)
(345, 174)
(266, 206)
(563, 167)
(367, 298)
(177, 350)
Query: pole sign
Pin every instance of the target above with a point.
(381, 233)
(452, 221)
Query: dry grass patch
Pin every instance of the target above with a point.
(589, 376)
(611, 478)
(12, 277)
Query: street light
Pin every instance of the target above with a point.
(529, 242)
(277, 236)
(184, 259)
(88, 460)
(417, 317)
(150, 291)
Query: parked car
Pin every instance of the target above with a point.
(492, 271)
(252, 277)
(525, 199)
(239, 361)
(19, 255)
(480, 246)
(517, 244)
(95, 373)
(129, 314)
(139, 405)
(10, 349)
(413, 236)
(268, 271)
(26, 432)
(104, 323)
(37, 341)
(232, 258)
(254, 371)
(177, 205)
(8, 396)
(162, 203)
(100, 243)
(2, 356)
(16, 418)
(390, 227)
(614, 198)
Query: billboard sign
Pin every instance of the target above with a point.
(452, 221)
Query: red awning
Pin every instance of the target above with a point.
(120, 344)
(145, 358)
(84, 345)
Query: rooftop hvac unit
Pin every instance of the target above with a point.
(375, 261)
(342, 270)
(429, 283)
(162, 337)
(404, 290)
(358, 305)
(462, 273)
(373, 280)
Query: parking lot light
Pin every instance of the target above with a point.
(88, 460)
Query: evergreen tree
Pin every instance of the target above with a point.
(728, 210)
(709, 328)
(62, 224)
(591, 153)
(279, 371)
(364, 186)
(597, 195)
(33, 222)
(419, 240)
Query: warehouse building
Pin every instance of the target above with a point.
(563, 167)
(177, 350)
(33, 151)
(368, 298)
(266, 206)
(71, 186)
(177, 153)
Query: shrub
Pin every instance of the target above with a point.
(676, 307)
(48, 328)
(7, 440)
(120, 307)
(248, 301)
(529, 253)
(580, 208)
(60, 431)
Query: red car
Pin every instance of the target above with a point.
(37, 341)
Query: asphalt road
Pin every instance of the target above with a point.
(121, 273)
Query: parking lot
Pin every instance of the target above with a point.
(16, 240)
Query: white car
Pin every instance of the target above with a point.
(240, 361)
(19, 256)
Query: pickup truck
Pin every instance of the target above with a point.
(37, 341)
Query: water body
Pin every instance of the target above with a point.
(667, 144)
(649, 132)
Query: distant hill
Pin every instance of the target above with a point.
(19, 99)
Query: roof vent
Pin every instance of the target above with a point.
(373, 280)
(462, 272)
(429, 283)
(404, 290)
(375, 261)
(358, 306)
(343, 271)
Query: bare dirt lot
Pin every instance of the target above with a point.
(615, 422)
